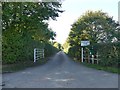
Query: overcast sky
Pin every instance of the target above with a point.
(75, 8)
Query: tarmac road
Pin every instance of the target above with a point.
(60, 72)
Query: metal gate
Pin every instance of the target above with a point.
(38, 54)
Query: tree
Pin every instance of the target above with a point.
(29, 17)
(96, 26)
(25, 27)
(58, 45)
(66, 46)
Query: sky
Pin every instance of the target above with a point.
(74, 9)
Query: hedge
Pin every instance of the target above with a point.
(109, 53)
(16, 49)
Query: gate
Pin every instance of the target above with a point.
(38, 54)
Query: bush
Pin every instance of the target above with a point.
(50, 50)
(109, 53)
(17, 49)
(74, 52)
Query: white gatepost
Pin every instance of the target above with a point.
(35, 55)
(97, 57)
(43, 53)
(92, 59)
(82, 54)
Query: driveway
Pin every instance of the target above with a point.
(60, 72)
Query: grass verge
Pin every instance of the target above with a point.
(9, 68)
(100, 67)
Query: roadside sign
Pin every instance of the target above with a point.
(85, 43)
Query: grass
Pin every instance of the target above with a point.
(22, 65)
(99, 67)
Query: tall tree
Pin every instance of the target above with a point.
(25, 27)
(96, 26)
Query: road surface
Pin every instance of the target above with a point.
(60, 72)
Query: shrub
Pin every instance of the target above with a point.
(108, 53)
(17, 49)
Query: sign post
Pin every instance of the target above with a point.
(83, 44)
(82, 54)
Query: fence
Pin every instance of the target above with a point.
(88, 57)
(106, 54)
